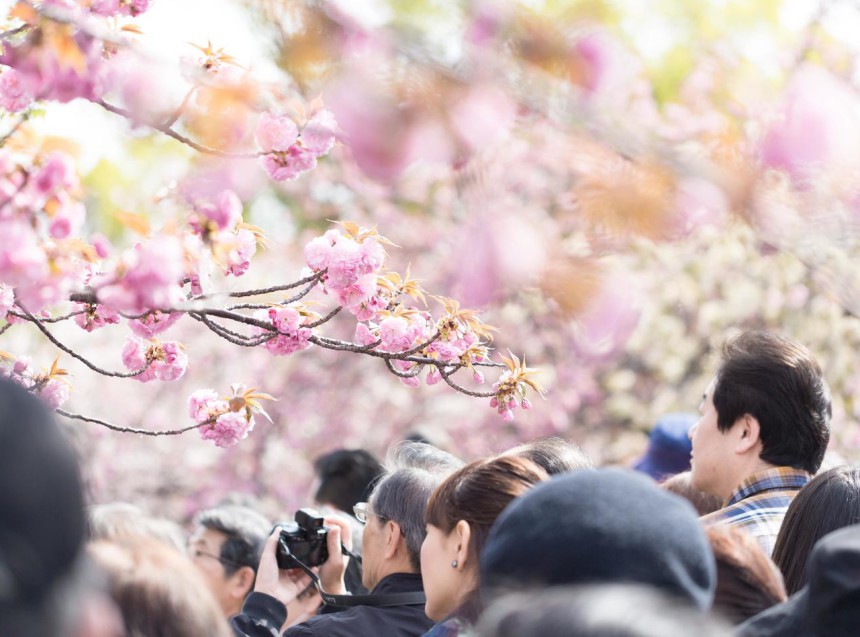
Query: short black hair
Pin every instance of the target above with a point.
(780, 384)
(246, 532)
(347, 477)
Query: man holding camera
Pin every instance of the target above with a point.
(393, 533)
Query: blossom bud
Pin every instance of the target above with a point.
(526, 404)
(508, 415)
(494, 402)
(478, 376)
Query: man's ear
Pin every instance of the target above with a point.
(242, 582)
(391, 537)
(747, 434)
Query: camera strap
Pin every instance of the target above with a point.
(414, 598)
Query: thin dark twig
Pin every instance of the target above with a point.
(280, 288)
(326, 318)
(133, 430)
(398, 373)
(181, 109)
(177, 136)
(18, 123)
(5, 35)
(73, 353)
(5, 327)
(446, 376)
(54, 319)
(230, 336)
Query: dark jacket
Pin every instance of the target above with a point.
(829, 605)
(263, 615)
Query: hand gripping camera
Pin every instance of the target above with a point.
(303, 540)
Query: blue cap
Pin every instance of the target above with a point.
(670, 446)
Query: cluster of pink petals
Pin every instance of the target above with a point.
(7, 300)
(399, 334)
(228, 429)
(24, 265)
(225, 211)
(53, 391)
(451, 349)
(351, 267)
(153, 323)
(240, 248)
(204, 404)
(148, 277)
(164, 361)
(288, 155)
(94, 316)
(109, 8)
(292, 335)
(42, 74)
(505, 404)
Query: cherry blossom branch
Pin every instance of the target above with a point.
(170, 132)
(229, 335)
(315, 277)
(18, 123)
(5, 35)
(446, 376)
(410, 374)
(180, 110)
(38, 323)
(133, 430)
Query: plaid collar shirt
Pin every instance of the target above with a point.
(759, 504)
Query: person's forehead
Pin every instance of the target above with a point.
(203, 536)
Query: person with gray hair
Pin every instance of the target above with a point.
(394, 530)
(225, 548)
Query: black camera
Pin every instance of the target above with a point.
(303, 540)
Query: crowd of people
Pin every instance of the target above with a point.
(728, 526)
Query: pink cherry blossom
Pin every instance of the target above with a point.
(23, 262)
(317, 253)
(412, 381)
(818, 127)
(134, 357)
(275, 132)
(396, 334)
(225, 211)
(292, 336)
(102, 245)
(319, 134)
(105, 7)
(228, 429)
(14, 93)
(433, 376)
(173, 362)
(204, 403)
(288, 165)
(94, 316)
(363, 335)
(154, 323)
(68, 220)
(54, 393)
(7, 300)
(151, 279)
(243, 246)
(56, 173)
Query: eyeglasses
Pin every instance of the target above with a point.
(194, 553)
(362, 512)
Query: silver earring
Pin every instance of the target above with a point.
(454, 564)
